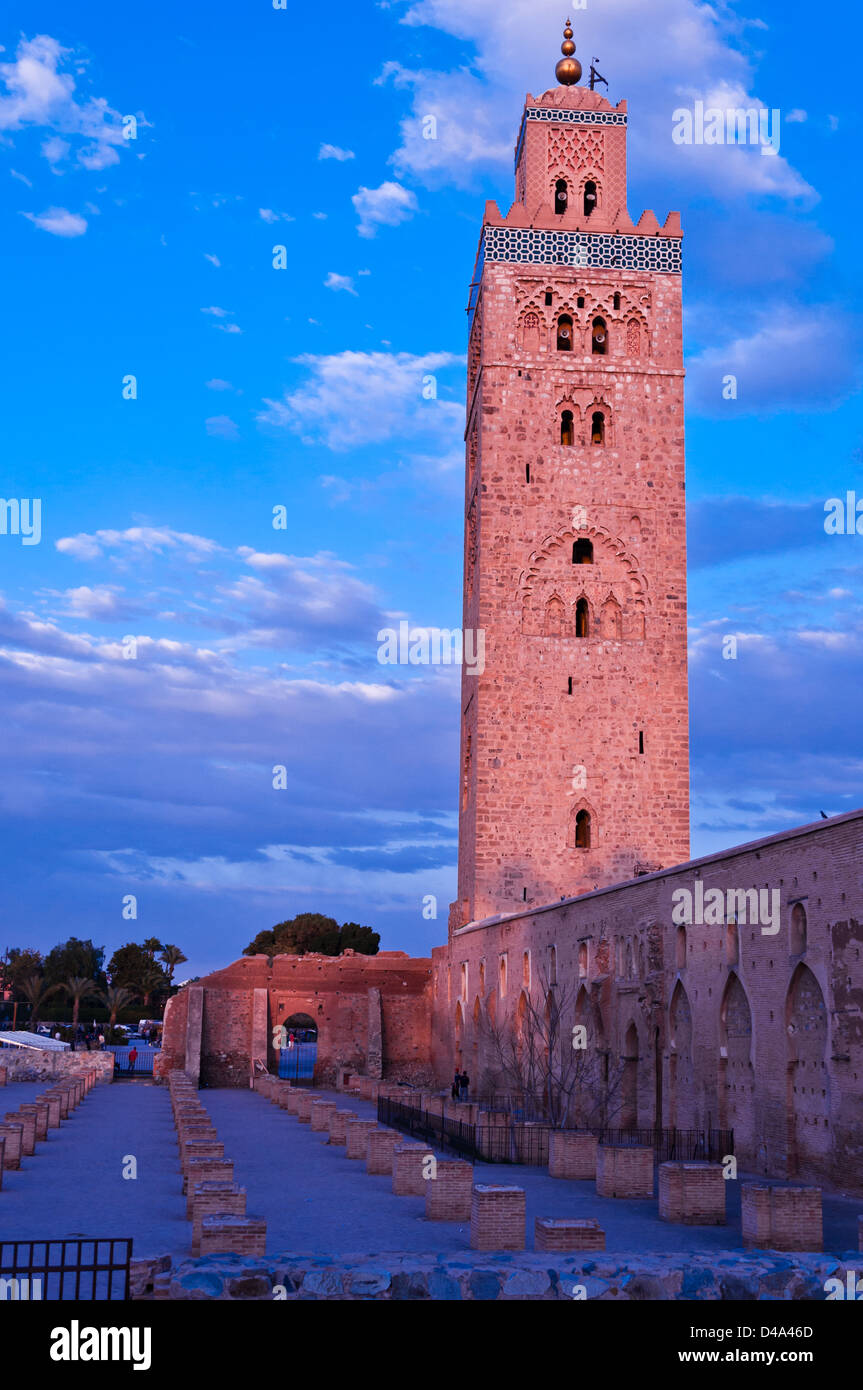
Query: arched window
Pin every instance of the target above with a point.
(552, 965)
(525, 969)
(482, 977)
(597, 427)
(599, 337)
(582, 830)
(582, 959)
(617, 301)
(582, 618)
(582, 551)
(797, 934)
(560, 196)
(633, 338)
(589, 197)
(502, 975)
(564, 333)
(567, 428)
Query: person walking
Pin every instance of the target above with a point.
(133, 1057)
(464, 1085)
(456, 1085)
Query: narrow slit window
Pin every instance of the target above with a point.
(569, 685)
(527, 472)
(566, 427)
(548, 299)
(617, 301)
(580, 301)
(564, 333)
(641, 740)
(589, 197)
(560, 196)
(597, 428)
(582, 618)
(582, 830)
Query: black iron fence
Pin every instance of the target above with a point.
(90, 1268)
(526, 1141)
(126, 1066)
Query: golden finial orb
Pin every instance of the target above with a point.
(568, 70)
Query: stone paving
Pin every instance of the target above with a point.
(314, 1199)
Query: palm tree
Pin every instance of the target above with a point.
(78, 988)
(115, 998)
(36, 992)
(151, 982)
(152, 945)
(171, 956)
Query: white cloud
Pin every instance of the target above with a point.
(476, 106)
(268, 215)
(217, 312)
(59, 222)
(135, 539)
(36, 93)
(785, 361)
(217, 384)
(339, 282)
(214, 260)
(55, 150)
(796, 117)
(229, 328)
(354, 398)
(335, 152)
(22, 177)
(102, 601)
(222, 427)
(387, 206)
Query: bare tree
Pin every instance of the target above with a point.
(553, 1070)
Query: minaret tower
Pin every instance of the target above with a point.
(574, 743)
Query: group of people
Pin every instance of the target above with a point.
(93, 1041)
(460, 1085)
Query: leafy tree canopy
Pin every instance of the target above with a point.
(75, 958)
(132, 967)
(313, 932)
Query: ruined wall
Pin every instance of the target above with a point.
(373, 1015)
(711, 1024)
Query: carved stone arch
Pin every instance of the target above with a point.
(532, 328)
(681, 1076)
(611, 619)
(578, 809)
(736, 1073)
(555, 621)
(586, 176)
(600, 536)
(807, 1029)
(599, 406)
(636, 334)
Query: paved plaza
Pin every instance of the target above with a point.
(313, 1198)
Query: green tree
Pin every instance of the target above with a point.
(22, 962)
(75, 959)
(154, 981)
(128, 966)
(37, 993)
(77, 989)
(152, 946)
(312, 931)
(115, 998)
(171, 957)
(361, 939)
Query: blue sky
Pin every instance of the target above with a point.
(259, 388)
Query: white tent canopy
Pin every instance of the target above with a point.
(35, 1040)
